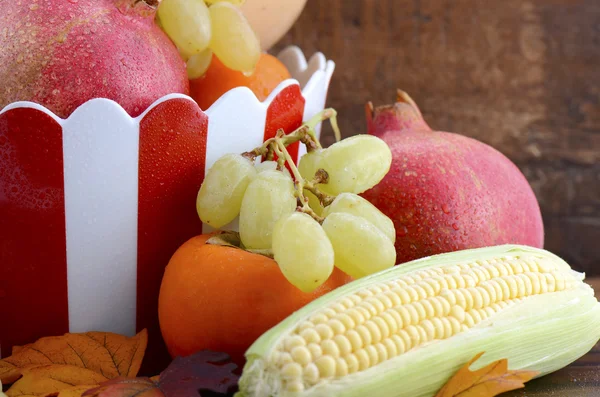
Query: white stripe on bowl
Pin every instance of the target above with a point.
(100, 149)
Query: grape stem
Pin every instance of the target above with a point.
(321, 176)
(305, 134)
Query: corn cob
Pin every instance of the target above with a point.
(406, 330)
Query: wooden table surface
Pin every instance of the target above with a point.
(520, 75)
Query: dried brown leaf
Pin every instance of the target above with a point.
(488, 381)
(126, 387)
(108, 354)
(52, 379)
(75, 391)
(17, 349)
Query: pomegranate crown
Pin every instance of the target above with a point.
(404, 114)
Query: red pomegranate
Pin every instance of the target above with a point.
(445, 191)
(62, 53)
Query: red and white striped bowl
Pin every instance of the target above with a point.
(92, 207)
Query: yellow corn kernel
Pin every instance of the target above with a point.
(330, 348)
(311, 374)
(291, 371)
(343, 344)
(315, 350)
(301, 355)
(326, 366)
(352, 363)
(324, 331)
(355, 339)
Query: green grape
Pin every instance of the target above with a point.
(355, 164)
(313, 202)
(187, 23)
(266, 166)
(270, 165)
(302, 251)
(234, 2)
(361, 249)
(184, 55)
(158, 23)
(353, 204)
(198, 64)
(233, 40)
(268, 197)
(220, 197)
(308, 164)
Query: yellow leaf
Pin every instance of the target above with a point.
(17, 349)
(75, 391)
(52, 379)
(108, 354)
(488, 381)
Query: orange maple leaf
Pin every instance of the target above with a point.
(107, 354)
(75, 391)
(488, 381)
(53, 379)
(17, 349)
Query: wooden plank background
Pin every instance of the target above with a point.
(523, 76)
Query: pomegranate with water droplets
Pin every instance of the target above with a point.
(446, 192)
(62, 53)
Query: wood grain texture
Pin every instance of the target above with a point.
(522, 76)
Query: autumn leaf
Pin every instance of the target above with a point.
(17, 349)
(52, 379)
(127, 387)
(488, 381)
(204, 372)
(209, 371)
(110, 355)
(75, 391)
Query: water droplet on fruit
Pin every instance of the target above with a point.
(402, 231)
(445, 208)
(455, 226)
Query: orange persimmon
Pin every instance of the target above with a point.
(219, 79)
(223, 298)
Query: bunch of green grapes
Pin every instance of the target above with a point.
(201, 28)
(306, 237)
